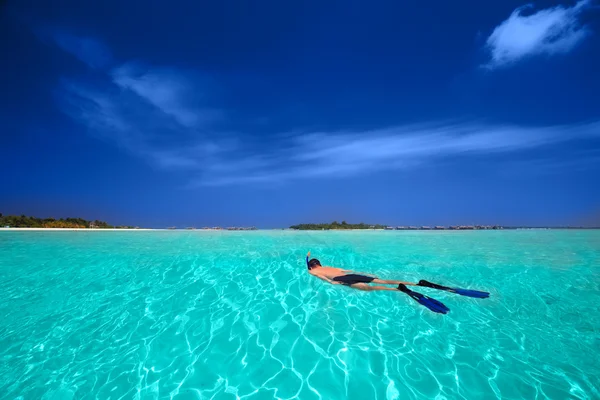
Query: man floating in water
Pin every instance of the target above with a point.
(337, 276)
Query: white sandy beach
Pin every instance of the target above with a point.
(77, 229)
(117, 229)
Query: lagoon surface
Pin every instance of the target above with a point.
(226, 315)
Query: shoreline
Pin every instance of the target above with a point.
(286, 230)
(78, 229)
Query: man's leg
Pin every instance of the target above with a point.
(389, 282)
(367, 288)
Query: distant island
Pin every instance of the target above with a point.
(22, 221)
(335, 225)
(344, 225)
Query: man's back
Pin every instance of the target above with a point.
(327, 272)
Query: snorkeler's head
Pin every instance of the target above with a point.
(313, 263)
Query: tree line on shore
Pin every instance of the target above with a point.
(23, 221)
(336, 225)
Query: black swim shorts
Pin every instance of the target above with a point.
(351, 279)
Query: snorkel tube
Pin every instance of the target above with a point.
(307, 265)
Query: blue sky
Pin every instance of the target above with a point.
(274, 113)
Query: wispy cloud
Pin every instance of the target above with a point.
(155, 113)
(340, 154)
(129, 122)
(88, 50)
(135, 124)
(167, 89)
(550, 31)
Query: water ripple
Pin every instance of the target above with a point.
(210, 315)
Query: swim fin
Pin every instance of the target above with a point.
(463, 292)
(432, 304)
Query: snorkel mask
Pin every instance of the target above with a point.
(312, 263)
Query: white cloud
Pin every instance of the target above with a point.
(550, 31)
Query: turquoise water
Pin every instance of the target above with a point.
(200, 315)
